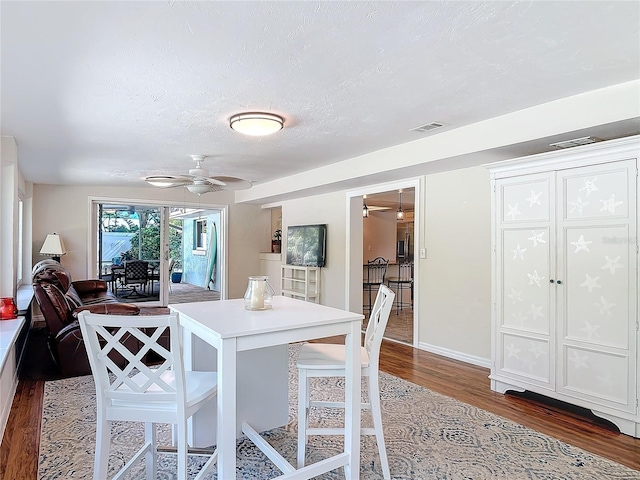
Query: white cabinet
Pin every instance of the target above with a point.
(301, 282)
(565, 278)
(270, 266)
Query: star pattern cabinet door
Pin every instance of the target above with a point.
(565, 278)
(525, 249)
(597, 301)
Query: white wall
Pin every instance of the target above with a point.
(455, 283)
(328, 209)
(9, 180)
(380, 235)
(65, 210)
(455, 315)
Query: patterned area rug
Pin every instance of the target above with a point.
(428, 435)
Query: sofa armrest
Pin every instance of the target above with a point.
(109, 309)
(84, 287)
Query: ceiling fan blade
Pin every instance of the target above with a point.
(233, 183)
(166, 181)
(215, 181)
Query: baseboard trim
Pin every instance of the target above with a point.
(463, 357)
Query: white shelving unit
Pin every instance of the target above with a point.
(301, 282)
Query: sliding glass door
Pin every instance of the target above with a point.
(129, 250)
(158, 254)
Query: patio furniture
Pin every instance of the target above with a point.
(136, 275)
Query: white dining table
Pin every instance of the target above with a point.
(230, 329)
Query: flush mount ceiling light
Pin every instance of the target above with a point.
(256, 124)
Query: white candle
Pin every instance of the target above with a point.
(257, 294)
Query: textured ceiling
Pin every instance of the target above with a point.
(104, 93)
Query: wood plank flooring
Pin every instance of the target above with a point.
(465, 382)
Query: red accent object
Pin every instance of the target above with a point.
(8, 308)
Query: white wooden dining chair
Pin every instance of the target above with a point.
(328, 360)
(163, 393)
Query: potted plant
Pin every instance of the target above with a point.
(276, 241)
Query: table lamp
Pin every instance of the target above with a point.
(53, 247)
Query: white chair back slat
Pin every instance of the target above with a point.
(129, 390)
(135, 381)
(378, 321)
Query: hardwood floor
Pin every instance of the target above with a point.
(465, 382)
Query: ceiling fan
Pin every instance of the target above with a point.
(198, 180)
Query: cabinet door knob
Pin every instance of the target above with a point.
(551, 281)
(559, 282)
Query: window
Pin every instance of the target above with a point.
(200, 235)
(20, 239)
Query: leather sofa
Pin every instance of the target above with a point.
(60, 299)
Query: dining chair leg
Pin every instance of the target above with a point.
(103, 440)
(303, 411)
(151, 457)
(181, 432)
(376, 413)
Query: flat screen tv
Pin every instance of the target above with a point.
(307, 245)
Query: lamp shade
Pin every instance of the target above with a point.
(53, 246)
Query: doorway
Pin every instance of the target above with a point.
(178, 251)
(388, 233)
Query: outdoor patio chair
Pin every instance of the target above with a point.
(136, 275)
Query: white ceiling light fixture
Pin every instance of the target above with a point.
(256, 124)
(400, 212)
(201, 188)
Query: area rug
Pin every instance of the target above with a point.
(428, 435)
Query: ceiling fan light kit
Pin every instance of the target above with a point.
(256, 124)
(201, 188)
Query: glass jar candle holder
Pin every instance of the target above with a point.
(259, 294)
(8, 308)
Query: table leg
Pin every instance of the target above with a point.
(227, 409)
(352, 401)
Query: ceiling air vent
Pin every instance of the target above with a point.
(427, 127)
(575, 142)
